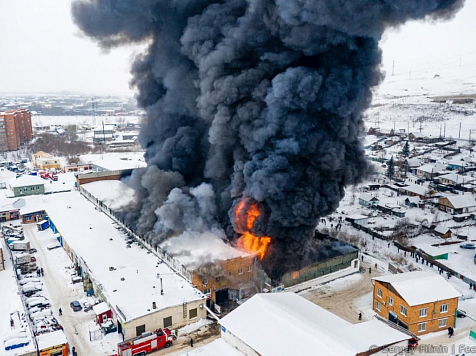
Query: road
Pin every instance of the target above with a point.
(60, 291)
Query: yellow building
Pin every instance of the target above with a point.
(418, 301)
(43, 160)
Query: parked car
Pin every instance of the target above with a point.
(32, 250)
(461, 313)
(75, 306)
(53, 245)
(468, 246)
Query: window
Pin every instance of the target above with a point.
(379, 292)
(229, 273)
(140, 329)
(192, 313)
(218, 279)
(444, 308)
(167, 322)
(423, 312)
(240, 270)
(206, 291)
(378, 306)
(390, 301)
(421, 327)
(205, 281)
(250, 268)
(442, 322)
(403, 310)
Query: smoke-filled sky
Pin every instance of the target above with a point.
(254, 111)
(43, 51)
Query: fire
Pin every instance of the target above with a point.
(245, 217)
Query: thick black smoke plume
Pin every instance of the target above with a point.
(250, 99)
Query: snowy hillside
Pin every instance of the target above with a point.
(431, 94)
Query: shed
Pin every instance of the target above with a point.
(442, 231)
(52, 344)
(368, 200)
(103, 312)
(433, 252)
(357, 219)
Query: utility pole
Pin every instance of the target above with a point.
(420, 127)
(440, 131)
(459, 134)
(444, 132)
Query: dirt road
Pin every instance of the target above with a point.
(348, 296)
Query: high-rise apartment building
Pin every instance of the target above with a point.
(15, 129)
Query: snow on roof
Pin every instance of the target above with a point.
(26, 181)
(417, 189)
(10, 300)
(101, 308)
(420, 287)
(357, 217)
(218, 347)
(314, 327)
(116, 161)
(102, 246)
(431, 250)
(457, 178)
(367, 197)
(113, 193)
(51, 339)
(413, 162)
(461, 201)
(432, 168)
(441, 229)
(414, 200)
(192, 248)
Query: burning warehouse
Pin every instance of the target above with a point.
(254, 109)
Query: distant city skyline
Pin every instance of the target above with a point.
(44, 52)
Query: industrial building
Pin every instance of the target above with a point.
(43, 160)
(15, 129)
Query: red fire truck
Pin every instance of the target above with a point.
(145, 343)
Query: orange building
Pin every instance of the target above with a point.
(15, 129)
(418, 301)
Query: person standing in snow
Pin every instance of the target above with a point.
(191, 342)
(360, 316)
(60, 311)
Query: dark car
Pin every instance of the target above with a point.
(461, 314)
(32, 250)
(468, 246)
(75, 306)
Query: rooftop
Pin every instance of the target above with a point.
(102, 246)
(314, 327)
(461, 201)
(432, 168)
(113, 193)
(51, 339)
(420, 287)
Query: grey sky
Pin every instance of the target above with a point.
(42, 50)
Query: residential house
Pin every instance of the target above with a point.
(368, 200)
(412, 201)
(313, 329)
(421, 302)
(457, 204)
(43, 160)
(458, 165)
(415, 190)
(433, 252)
(454, 179)
(357, 219)
(380, 132)
(430, 171)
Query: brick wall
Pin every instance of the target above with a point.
(84, 180)
(229, 275)
(413, 318)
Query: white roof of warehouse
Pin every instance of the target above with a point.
(420, 287)
(113, 193)
(103, 246)
(259, 322)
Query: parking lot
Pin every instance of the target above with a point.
(61, 291)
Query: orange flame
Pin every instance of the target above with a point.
(245, 217)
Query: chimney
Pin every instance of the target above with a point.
(154, 306)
